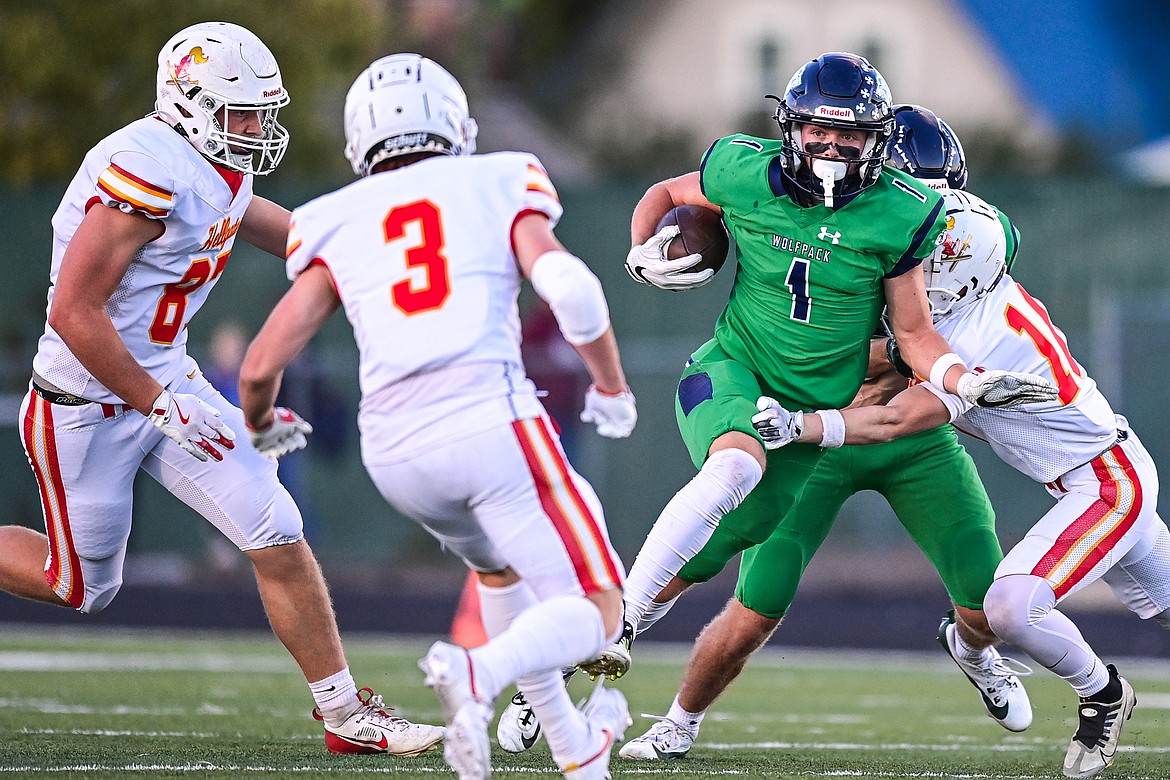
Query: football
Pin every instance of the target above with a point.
(701, 233)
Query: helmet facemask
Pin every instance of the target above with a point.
(210, 70)
(842, 91)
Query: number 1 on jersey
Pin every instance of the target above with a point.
(1037, 326)
(428, 255)
(797, 282)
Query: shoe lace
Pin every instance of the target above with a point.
(999, 671)
(666, 732)
(376, 710)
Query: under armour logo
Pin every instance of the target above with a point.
(825, 235)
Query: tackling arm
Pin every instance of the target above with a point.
(914, 409)
(911, 411)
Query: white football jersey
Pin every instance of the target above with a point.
(421, 258)
(148, 168)
(1009, 329)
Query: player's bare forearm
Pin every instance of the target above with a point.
(913, 410)
(879, 361)
(879, 389)
(603, 362)
(661, 198)
(265, 226)
(295, 320)
(94, 264)
(92, 339)
(920, 344)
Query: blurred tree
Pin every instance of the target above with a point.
(74, 72)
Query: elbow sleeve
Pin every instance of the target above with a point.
(573, 293)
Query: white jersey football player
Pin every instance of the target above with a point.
(143, 233)
(426, 252)
(1104, 524)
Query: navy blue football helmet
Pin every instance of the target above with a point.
(926, 147)
(839, 90)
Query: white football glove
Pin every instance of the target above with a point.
(614, 415)
(192, 424)
(776, 425)
(997, 389)
(286, 433)
(647, 264)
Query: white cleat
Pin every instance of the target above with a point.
(1095, 744)
(665, 741)
(372, 729)
(608, 714)
(518, 729)
(1000, 690)
(465, 746)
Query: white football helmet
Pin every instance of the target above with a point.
(970, 258)
(212, 68)
(405, 104)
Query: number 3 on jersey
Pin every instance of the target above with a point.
(427, 255)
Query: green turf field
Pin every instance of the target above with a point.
(99, 704)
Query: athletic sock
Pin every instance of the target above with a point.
(565, 728)
(547, 636)
(498, 607)
(976, 656)
(1107, 695)
(336, 697)
(691, 721)
(655, 611)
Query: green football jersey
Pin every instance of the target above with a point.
(808, 287)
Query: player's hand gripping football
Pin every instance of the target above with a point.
(776, 425)
(614, 415)
(192, 424)
(647, 263)
(997, 389)
(286, 433)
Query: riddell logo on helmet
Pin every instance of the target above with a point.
(273, 92)
(834, 112)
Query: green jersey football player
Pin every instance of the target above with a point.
(825, 237)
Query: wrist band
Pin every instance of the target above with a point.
(939, 370)
(833, 428)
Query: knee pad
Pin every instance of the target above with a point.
(736, 472)
(99, 597)
(1016, 602)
